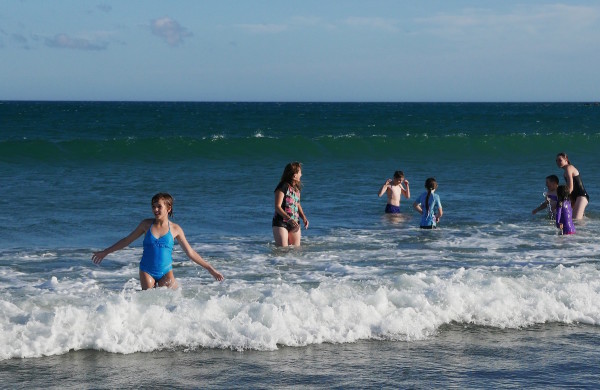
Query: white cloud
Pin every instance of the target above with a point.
(306, 20)
(262, 28)
(63, 41)
(528, 19)
(374, 23)
(170, 30)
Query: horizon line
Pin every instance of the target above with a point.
(591, 102)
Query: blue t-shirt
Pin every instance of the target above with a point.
(428, 216)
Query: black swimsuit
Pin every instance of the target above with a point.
(578, 189)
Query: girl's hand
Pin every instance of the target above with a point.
(388, 181)
(293, 222)
(406, 182)
(305, 223)
(216, 274)
(97, 257)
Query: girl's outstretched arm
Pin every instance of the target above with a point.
(97, 257)
(541, 207)
(192, 254)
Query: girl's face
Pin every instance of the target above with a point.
(160, 209)
(561, 161)
(297, 176)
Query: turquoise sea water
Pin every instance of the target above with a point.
(79, 176)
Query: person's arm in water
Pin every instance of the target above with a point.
(541, 207)
(123, 242)
(192, 254)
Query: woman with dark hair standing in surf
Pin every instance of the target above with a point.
(579, 197)
(288, 211)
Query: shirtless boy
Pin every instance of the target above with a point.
(395, 189)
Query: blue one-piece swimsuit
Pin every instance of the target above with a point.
(157, 259)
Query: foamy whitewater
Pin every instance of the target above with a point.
(77, 177)
(350, 285)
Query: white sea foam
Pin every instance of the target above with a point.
(63, 314)
(392, 282)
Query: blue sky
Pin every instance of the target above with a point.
(325, 50)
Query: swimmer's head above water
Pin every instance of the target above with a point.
(166, 198)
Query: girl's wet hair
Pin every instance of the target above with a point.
(167, 198)
(398, 174)
(562, 193)
(431, 186)
(288, 174)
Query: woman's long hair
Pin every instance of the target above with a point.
(288, 174)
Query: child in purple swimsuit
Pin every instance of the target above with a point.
(564, 212)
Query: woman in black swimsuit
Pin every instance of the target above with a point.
(579, 197)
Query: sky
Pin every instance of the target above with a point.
(284, 50)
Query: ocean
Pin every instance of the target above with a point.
(493, 298)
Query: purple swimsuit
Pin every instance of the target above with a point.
(564, 216)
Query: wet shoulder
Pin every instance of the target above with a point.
(146, 223)
(176, 230)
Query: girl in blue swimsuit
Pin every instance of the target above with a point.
(156, 266)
